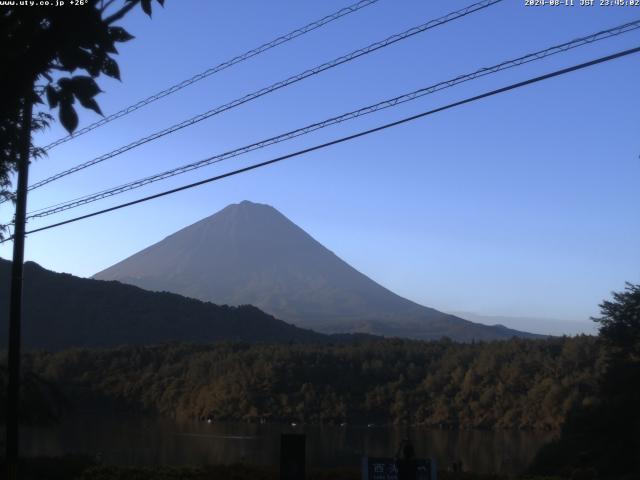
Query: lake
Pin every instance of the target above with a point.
(154, 441)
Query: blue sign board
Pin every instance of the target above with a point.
(378, 468)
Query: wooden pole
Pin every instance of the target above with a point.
(15, 305)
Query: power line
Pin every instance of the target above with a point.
(218, 68)
(611, 32)
(276, 86)
(344, 139)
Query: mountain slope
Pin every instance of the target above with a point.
(62, 311)
(250, 253)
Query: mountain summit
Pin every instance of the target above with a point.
(250, 253)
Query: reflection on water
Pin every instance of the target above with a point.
(152, 441)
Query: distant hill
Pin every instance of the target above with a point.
(250, 253)
(540, 325)
(62, 311)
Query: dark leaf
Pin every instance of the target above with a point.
(40, 121)
(102, 36)
(68, 117)
(146, 6)
(119, 34)
(91, 104)
(37, 152)
(95, 66)
(84, 87)
(52, 96)
(74, 58)
(110, 68)
(65, 83)
(161, 2)
(66, 91)
(70, 58)
(110, 47)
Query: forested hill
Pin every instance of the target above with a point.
(524, 384)
(61, 311)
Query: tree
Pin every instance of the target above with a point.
(620, 325)
(54, 54)
(620, 384)
(38, 44)
(604, 435)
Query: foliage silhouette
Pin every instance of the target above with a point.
(42, 49)
(602, 437)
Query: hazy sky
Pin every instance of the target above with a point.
(523, 204)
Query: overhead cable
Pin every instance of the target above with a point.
(298, 153)
(276, 86)
(392, 102)
(216, 69)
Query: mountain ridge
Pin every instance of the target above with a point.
(62, 311)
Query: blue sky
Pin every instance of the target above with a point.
(524, 204)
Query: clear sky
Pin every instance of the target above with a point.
(523, 204)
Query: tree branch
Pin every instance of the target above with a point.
(122, 12)
(106, 5)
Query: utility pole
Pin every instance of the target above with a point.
(15, 305)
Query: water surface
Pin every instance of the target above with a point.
(125, 440)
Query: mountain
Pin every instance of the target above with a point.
(250, 253)
(62, 311)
